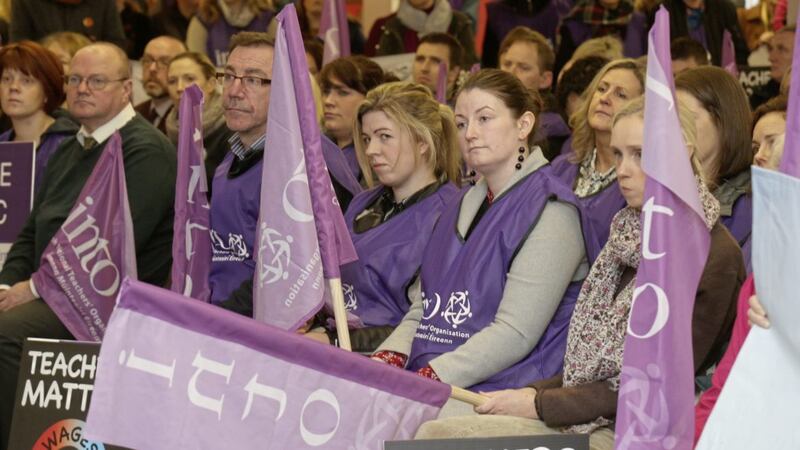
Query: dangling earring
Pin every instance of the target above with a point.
(471, 174)
(520, 158)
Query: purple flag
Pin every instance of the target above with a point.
(301, 233)
(656, 398)
(441, 83)
(17, 162)
(81, 269)
(729, 54)
(334, 31)
(191, 245)
(176, 373)
(790, 162)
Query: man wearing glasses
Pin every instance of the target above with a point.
(237, 182)
(98, 89)
(155, 62)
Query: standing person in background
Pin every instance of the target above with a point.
(400, 32)
(157, 55)
(705, 21)
(217, 21)
(195, 68)
(435, 48)
(137, 26)
(174, 16)
(97, 19)
(502, 16)
(31, 93)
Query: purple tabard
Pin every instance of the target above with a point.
(234, 213)
(634, 36)
(699, 35)
(47, 147)
(342, 164)
(597, 210)
(389, 256)
(463, 282)
(220, 33)
(740, 224)
(501, 18)
(551, 124)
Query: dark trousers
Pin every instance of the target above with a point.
(32, 319)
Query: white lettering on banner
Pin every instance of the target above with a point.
(187, 285)
(78, 366)
(636, 393)
(327, 397)
(5, 174)
(194, 180)
(189, 241)
(312, 267)
(89, 249)
(281, 250)
(4, 206)
(299, 176)
(252, 388)
(351, 299)
(332, 42)
(57, 395)
(649, 209)
(662, 310)
(426, 302)
(208, 365)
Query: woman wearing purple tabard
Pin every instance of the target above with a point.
(589, 168)
(407, 146)
(724, 144)
(31, 91)
(216, 21)
(504, 263)
(583, 399)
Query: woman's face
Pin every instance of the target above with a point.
(626, 143)
(488, 133)
(184, 72)
(339, 104)
(617, 87)
(769, 127)
(708, 138)
(392, 154)
(21, 95)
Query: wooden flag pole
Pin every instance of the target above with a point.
(466, 396)
(340, 313)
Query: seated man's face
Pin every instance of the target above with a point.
(246, 104)
(781, 47)
(681, 65)
(102, 90)
(426, 65)
(522, 60)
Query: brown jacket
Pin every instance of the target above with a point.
(714, 312)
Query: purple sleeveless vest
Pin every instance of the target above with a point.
(389, 256)
(220, 32)
(551, 124)
(234, 214)
(342, 165)
(47, 147)
(740, 224)
(634, 36)
(501, 18)
(463, 282)
(597, 210)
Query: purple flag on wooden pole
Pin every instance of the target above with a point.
(176, 373)
(334, 31)
(790, 162)
(301, 233)
(656, 398)
(191, 245)
(441, 83)
(729, 55)
(82, 267)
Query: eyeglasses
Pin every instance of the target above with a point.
(94, 82)
(161, 63)
(248, 81)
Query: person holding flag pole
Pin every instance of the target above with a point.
(629, 298)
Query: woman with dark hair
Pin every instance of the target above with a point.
(769, 123)
(195, 68)
(504, 263)
(724, 145)
(345, 83)
(31, 92)
(217, 20)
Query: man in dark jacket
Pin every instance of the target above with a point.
(97, 19)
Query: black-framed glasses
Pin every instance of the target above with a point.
(248, 81)
(161, 63)
(94, 82)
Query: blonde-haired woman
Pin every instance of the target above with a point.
(407, 147)
(217, 20)
(583, 399)
(589, 167)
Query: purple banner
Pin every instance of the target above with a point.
(176, 373)
(656, 398)
(191, 244)
(790, 162)
(301, 234)
(441, 83)
(729, 55)
(16, 191)
(334, 31)
(82, 267)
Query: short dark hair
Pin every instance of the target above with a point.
(455, 48)
(250, 39)
(356, 72)
(685, 47)
(578, 77)
(36, 61)
(547, 56)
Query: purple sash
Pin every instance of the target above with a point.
(389, 256)
(463, 282)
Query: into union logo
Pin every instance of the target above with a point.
(279, 247)
(458, 308)
(350, 298)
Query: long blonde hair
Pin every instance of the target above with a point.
(583, 136)
(412, 107)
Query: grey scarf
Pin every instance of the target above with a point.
(438, 21)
